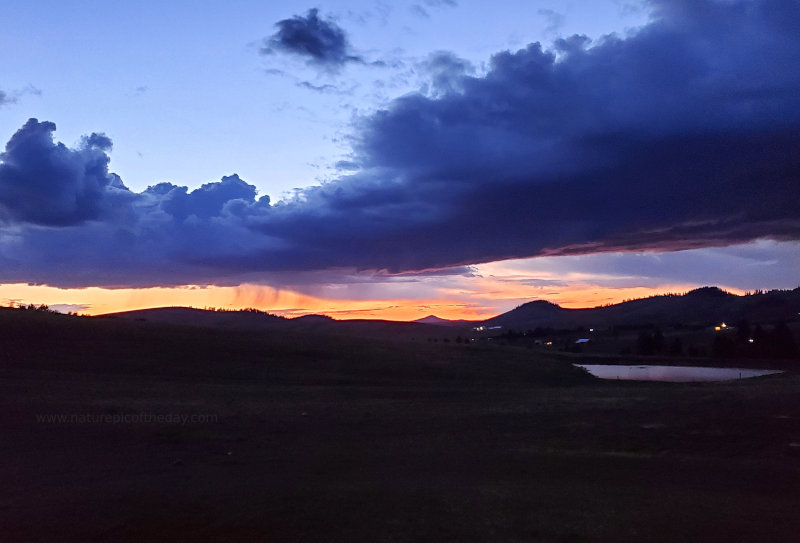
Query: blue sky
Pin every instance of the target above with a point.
(412, 155)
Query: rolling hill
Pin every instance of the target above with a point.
(433, 319)
(259, 321)
(703, 306)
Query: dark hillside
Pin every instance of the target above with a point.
(245, 319)
(49, 341)
(127, 430)
(252, 320)
(704, 306)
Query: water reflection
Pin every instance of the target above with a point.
(676, 374)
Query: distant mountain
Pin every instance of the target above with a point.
(703, 306)
(433, 319)
(538, 311)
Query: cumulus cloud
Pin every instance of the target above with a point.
(684, 135)
(321, 42)
(47, 184)
(68, 221)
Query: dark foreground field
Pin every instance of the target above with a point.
(336, 439)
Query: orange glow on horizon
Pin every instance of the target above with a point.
(485, 298)
(593, 296)
(98, 301)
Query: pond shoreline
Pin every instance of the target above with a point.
(673, 374)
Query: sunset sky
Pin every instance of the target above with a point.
(365, 159)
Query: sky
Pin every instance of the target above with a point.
(372, 160)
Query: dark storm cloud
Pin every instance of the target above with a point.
(47, 184)
(683, 135)
(210, 200)
(320, 41)
(5, 99)
(686, 134)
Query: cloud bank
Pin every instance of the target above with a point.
(685, 134)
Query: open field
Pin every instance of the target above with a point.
(338, 439)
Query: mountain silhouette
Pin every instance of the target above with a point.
(702, 306)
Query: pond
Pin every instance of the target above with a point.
(674, 374)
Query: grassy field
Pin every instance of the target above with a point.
(297, 438)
